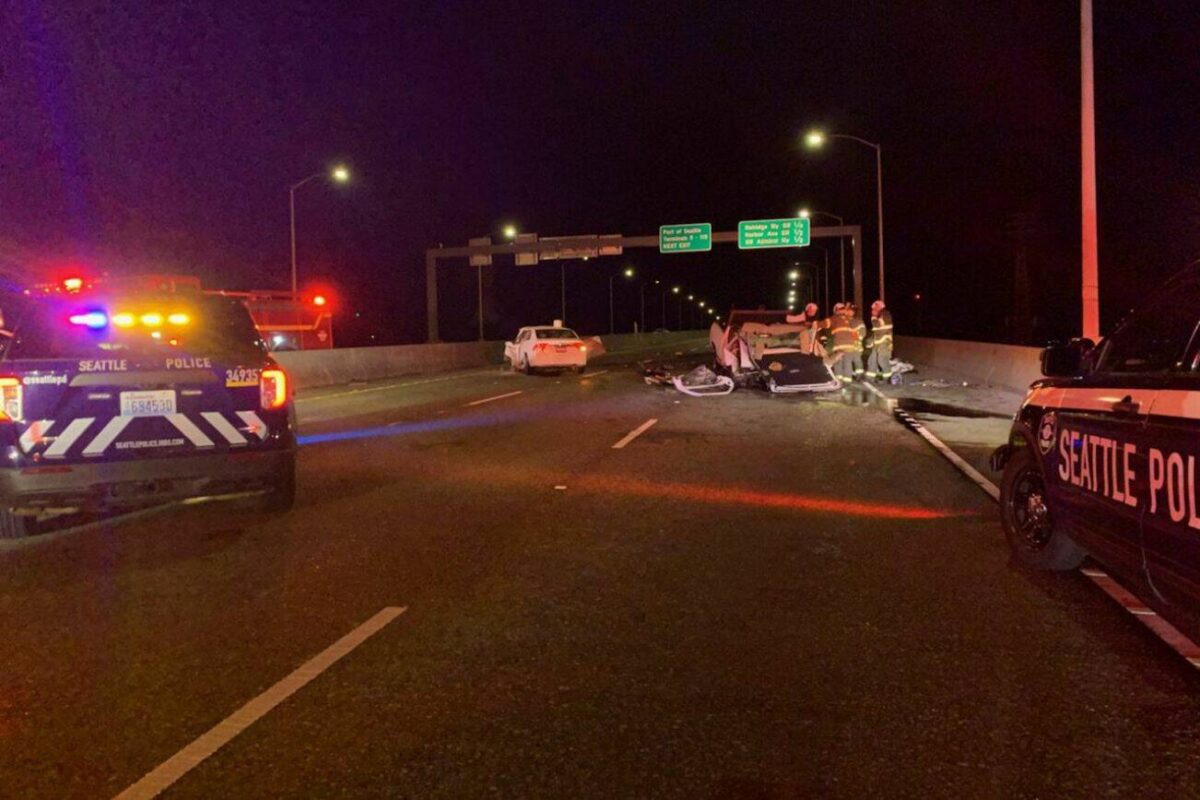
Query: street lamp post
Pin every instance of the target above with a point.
(338, 174)
(815, 139)
(628, 273)
(804, 212)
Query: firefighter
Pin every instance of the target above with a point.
(808, 335)
(846, 343)
(880, 364)
(860, 339)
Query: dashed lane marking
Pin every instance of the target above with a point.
(183, 762)
(633, 434)
(490, 399)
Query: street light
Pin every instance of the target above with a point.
(815, 139)
(806, 214)
(339, 174)
(510, 231)
(628, 273)
(794, 275)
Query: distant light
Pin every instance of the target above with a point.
(710, 311)
(152, 320)
(629, 272)
(701, 304)
(92, 319)
(657, 282)
(794, 274)
(917, 297)
(319, 300)
(340, 174)
(510, 231)
(814, 139)
(804, 213)
(675, 289)
(73, 284)
(691, 297)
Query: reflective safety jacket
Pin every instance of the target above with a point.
(848, 333)
(881, 327)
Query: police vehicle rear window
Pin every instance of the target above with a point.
(56, 328)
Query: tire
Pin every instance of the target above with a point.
(15, 526)
(1033, 537)
(580, 370)
(283, 496)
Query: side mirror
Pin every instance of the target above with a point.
(1066, 360)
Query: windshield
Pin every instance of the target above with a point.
(557, 333)
(139, 325)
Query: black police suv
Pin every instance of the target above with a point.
(1101, 460)
(112, 400)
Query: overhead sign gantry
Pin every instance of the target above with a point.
(694, 238)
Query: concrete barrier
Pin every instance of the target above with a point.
(313, 368)
(1006, 365)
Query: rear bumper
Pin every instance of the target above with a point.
(131, 484)
(558, 360)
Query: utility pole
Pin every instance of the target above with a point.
(1091, 257)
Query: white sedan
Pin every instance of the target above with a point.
(546, 347)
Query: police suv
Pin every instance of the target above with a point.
(1101, 460)
(113, 399)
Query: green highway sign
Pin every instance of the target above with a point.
(693, 238)
(790, 232)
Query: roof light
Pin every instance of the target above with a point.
(124, 320)
(152, 320)
(91, 319)
(179, 318)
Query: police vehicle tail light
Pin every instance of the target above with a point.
(273, 389)
(11, 399)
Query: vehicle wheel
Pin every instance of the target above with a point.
(580, 370)
(528, 370)
(1034, 538)
(283, 496)
(15, 526)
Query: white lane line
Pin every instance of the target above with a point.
(183, 762)
(594, 374)
(951, 456)
(490, 399)
(633, 434)
(403, 385)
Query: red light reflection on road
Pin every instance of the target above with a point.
(722, 495)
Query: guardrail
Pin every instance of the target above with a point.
(310, 369)
(1006, 365)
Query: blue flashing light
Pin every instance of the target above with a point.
(91, 319)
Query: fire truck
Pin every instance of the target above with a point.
(284, 322)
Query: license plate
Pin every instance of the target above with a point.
(147, 404)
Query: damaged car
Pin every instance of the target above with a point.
(772, 349)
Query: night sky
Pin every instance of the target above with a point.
(139, 140)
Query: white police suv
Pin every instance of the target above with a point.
(113, 399)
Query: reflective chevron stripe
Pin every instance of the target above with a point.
(62, 443)
(254, 424)
(107, 435)
(35, 434)
(224, 427)
(188, 428)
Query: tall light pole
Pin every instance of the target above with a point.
(338, 174)
(628, 273)
(804, 214)
(815, 139)
(1091, 254)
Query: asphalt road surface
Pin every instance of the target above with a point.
(754, 597)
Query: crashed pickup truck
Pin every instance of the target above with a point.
(773, 349)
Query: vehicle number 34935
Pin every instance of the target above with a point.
(241, 377)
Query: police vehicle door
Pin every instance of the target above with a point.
(1171, 519)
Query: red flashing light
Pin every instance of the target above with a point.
(319, 300)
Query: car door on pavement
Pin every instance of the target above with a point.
(1094, 440)
(1171, 518)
